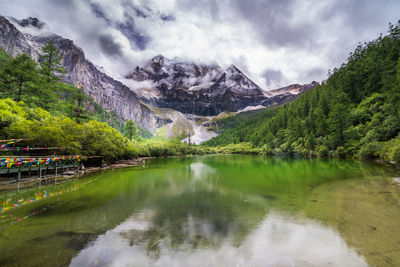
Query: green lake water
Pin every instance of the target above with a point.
(225, 210)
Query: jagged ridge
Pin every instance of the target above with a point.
(205, 90)
(111, 94)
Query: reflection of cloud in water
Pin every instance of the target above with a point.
(277, 241)
(201, 170)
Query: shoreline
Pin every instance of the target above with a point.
(119, 164)
(52, 179)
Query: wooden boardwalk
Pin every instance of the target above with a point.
(60, 164)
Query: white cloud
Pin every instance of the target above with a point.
(301, 39)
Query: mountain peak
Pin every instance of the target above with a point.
(232, 69)
(30, 22)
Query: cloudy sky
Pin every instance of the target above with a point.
(275, 42)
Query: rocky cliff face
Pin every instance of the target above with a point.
(172, 87)
(205, 90)
(13, 41)
(196, 89)
(111, 94)
(288, 93)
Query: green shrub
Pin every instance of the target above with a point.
(323, 151)
(341, 152)
(391, 150)
(351, 151)
(370, 150)
(395, 155)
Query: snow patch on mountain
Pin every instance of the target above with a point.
(201, 134)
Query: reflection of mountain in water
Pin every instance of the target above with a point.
(201, 170)
(277, 241)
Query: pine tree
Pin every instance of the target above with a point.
(338, 121)
(50, 63)
(18, 77)
(130, 129)
(51, 70)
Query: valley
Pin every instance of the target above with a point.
(199, 133)
(187, 89)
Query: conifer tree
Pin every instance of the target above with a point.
(18, 77)
(51, 70)
(130, 129)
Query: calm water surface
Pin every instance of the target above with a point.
(209, 211)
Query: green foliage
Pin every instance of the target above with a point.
(19, 77)
(77, 100)
(323, 151)
(370, 150)
(50, 63)
(4, 57)
(354, 112)
(130, 130)
(391, 150)
(22, 79)
(90, 138)
(50, 70)
(341, 152)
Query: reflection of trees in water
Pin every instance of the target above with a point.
(209, 215)
(281, 175)
(198, 219)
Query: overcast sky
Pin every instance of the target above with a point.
(275, 42)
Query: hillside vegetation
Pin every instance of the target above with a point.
(355, 112)
(34, 103)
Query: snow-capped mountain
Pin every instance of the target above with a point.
(195, 88)
(110, 93)
(199, 89)
(174, 95)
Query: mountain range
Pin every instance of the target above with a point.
(164, 95)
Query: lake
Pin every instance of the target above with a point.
(223, 210)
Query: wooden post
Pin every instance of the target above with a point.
(55, 178)
(19, 175)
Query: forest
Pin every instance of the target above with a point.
(34, 103)
(354, 113)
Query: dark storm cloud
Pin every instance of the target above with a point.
(272, 77)
(109, 46)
